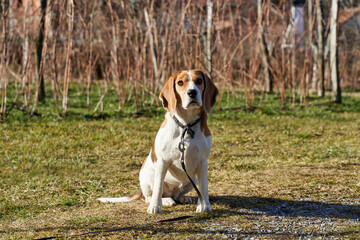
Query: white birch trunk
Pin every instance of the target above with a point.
(209, 7)
(333, 52)
(293, 55)
(25, 52)
(320, 51)
(310, 30)
(70, 11)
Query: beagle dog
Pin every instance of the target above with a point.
(188, 97)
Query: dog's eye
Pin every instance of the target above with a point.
(198, 81)
(180, 83)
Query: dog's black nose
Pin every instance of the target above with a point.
(192, 93)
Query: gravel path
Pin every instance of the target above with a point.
(301, 219)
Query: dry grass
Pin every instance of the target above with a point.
(273, 173)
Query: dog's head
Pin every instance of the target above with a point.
(191, 89)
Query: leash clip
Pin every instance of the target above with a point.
(182, 146)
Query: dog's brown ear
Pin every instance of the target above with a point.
(210, 93)
(167, 95)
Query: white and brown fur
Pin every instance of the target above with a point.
(187, 95)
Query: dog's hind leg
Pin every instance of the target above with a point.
(168, 201)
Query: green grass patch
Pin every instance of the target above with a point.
(53, 168)
(86, 221)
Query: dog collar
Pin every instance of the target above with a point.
(187, 128)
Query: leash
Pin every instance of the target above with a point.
(188, 130)
(119, 229)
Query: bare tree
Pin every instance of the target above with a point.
(132, 46)
(3, 61)
(151, 41)
(55, 6)
(90, 60)
(209, 7)
(304, 87)
(25, 50)
(70, 16)
(320, 50)
(41, 49)
(335, 80)
(263, 49)
(114, 52)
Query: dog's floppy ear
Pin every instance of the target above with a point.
(167, 95)
(210, 93)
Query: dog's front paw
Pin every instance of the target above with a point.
(203, 208)
(154, 209)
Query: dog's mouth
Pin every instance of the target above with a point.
(194, 104)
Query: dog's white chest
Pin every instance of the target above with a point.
(168, 140)
(197, 149)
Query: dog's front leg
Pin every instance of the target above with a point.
(155, 203)
(202, 173)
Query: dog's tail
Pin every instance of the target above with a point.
(135, 196)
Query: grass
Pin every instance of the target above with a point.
(268, 164)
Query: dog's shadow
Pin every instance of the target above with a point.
(288, 208)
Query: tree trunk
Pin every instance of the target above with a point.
(25, 54)
(263, 50)
(320, 50)
(209, 7)
(70, 11)
(114, 55)
(11, 20)
(151, 44)
(39, 44)
(41, 49)
(54, 23)
(335, 80)
(310, 44)
(89, 67)
(3, 60)
(293, 53)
